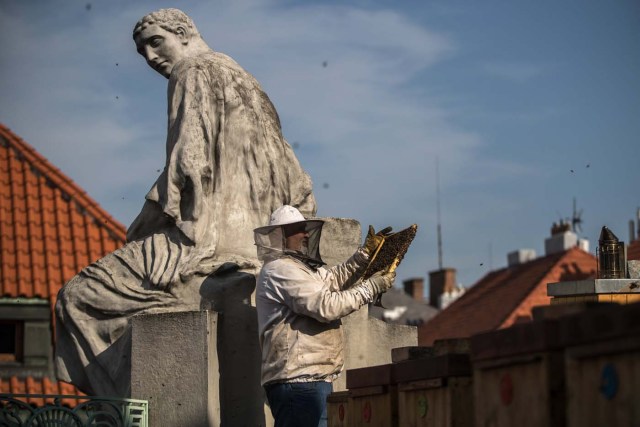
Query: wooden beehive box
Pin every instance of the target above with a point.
(338, 409)
(373, 400)
(518, 376)
(436, 389)
(602, 360)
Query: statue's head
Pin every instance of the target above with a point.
(165, 37)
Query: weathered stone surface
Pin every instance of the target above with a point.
(634, 269)
(368, 342)
(400, 354)
(339, 240)
(175, 368)
(227, 168)
(593, 286)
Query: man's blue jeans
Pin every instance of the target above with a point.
(299, 404)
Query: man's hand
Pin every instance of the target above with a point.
(374, 239)
(381, 282)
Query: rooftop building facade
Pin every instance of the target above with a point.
(506, 296)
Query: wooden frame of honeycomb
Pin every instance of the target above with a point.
(391, 251)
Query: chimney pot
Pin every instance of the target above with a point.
(560, 242)
(520, 257)
(441, 281)
(414, 288)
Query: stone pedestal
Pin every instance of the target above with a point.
(175, 367)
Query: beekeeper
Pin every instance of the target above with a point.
(300, 304)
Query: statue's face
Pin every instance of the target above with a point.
(161, 48)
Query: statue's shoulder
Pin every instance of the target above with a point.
(194, 62)
(207, 62)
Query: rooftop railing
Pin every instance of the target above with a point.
(45, 410)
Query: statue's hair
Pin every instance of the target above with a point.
(167, 19)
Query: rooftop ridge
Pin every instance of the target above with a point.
(62, 181)
(504, 296)
(50, 228)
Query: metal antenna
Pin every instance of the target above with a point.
(576, 220)
(438, 213)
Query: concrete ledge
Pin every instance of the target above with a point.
(369, 341)
(594, 286)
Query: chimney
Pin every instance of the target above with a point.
(414, 288)
(583, 244)
(441, 281)
(520, 257)
(562, 239)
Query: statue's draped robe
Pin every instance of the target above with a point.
(228, 167)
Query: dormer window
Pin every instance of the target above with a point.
(11, 341)
(26, 347)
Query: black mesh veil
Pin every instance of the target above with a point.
(270, 242)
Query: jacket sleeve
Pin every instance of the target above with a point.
(309, 295)
(344, 275)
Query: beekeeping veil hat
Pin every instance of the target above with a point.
(271, 240)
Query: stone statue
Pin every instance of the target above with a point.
(227, 168)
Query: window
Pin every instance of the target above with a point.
(11, 340)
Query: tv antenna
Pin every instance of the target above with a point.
(438, 213)
(576, 218)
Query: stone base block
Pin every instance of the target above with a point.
(174, 366)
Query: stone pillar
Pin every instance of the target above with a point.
(174, 366)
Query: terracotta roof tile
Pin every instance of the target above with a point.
(34, 387)
(17, 386)
(49, 230)
(506, 296)
(45, 223)
(30, 385)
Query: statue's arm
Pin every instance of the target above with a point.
(193, 127)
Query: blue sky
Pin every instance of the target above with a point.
(510, 97)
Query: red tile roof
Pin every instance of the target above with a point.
(49, 227)
(49, 230)
(504, 297)
(30, 385)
